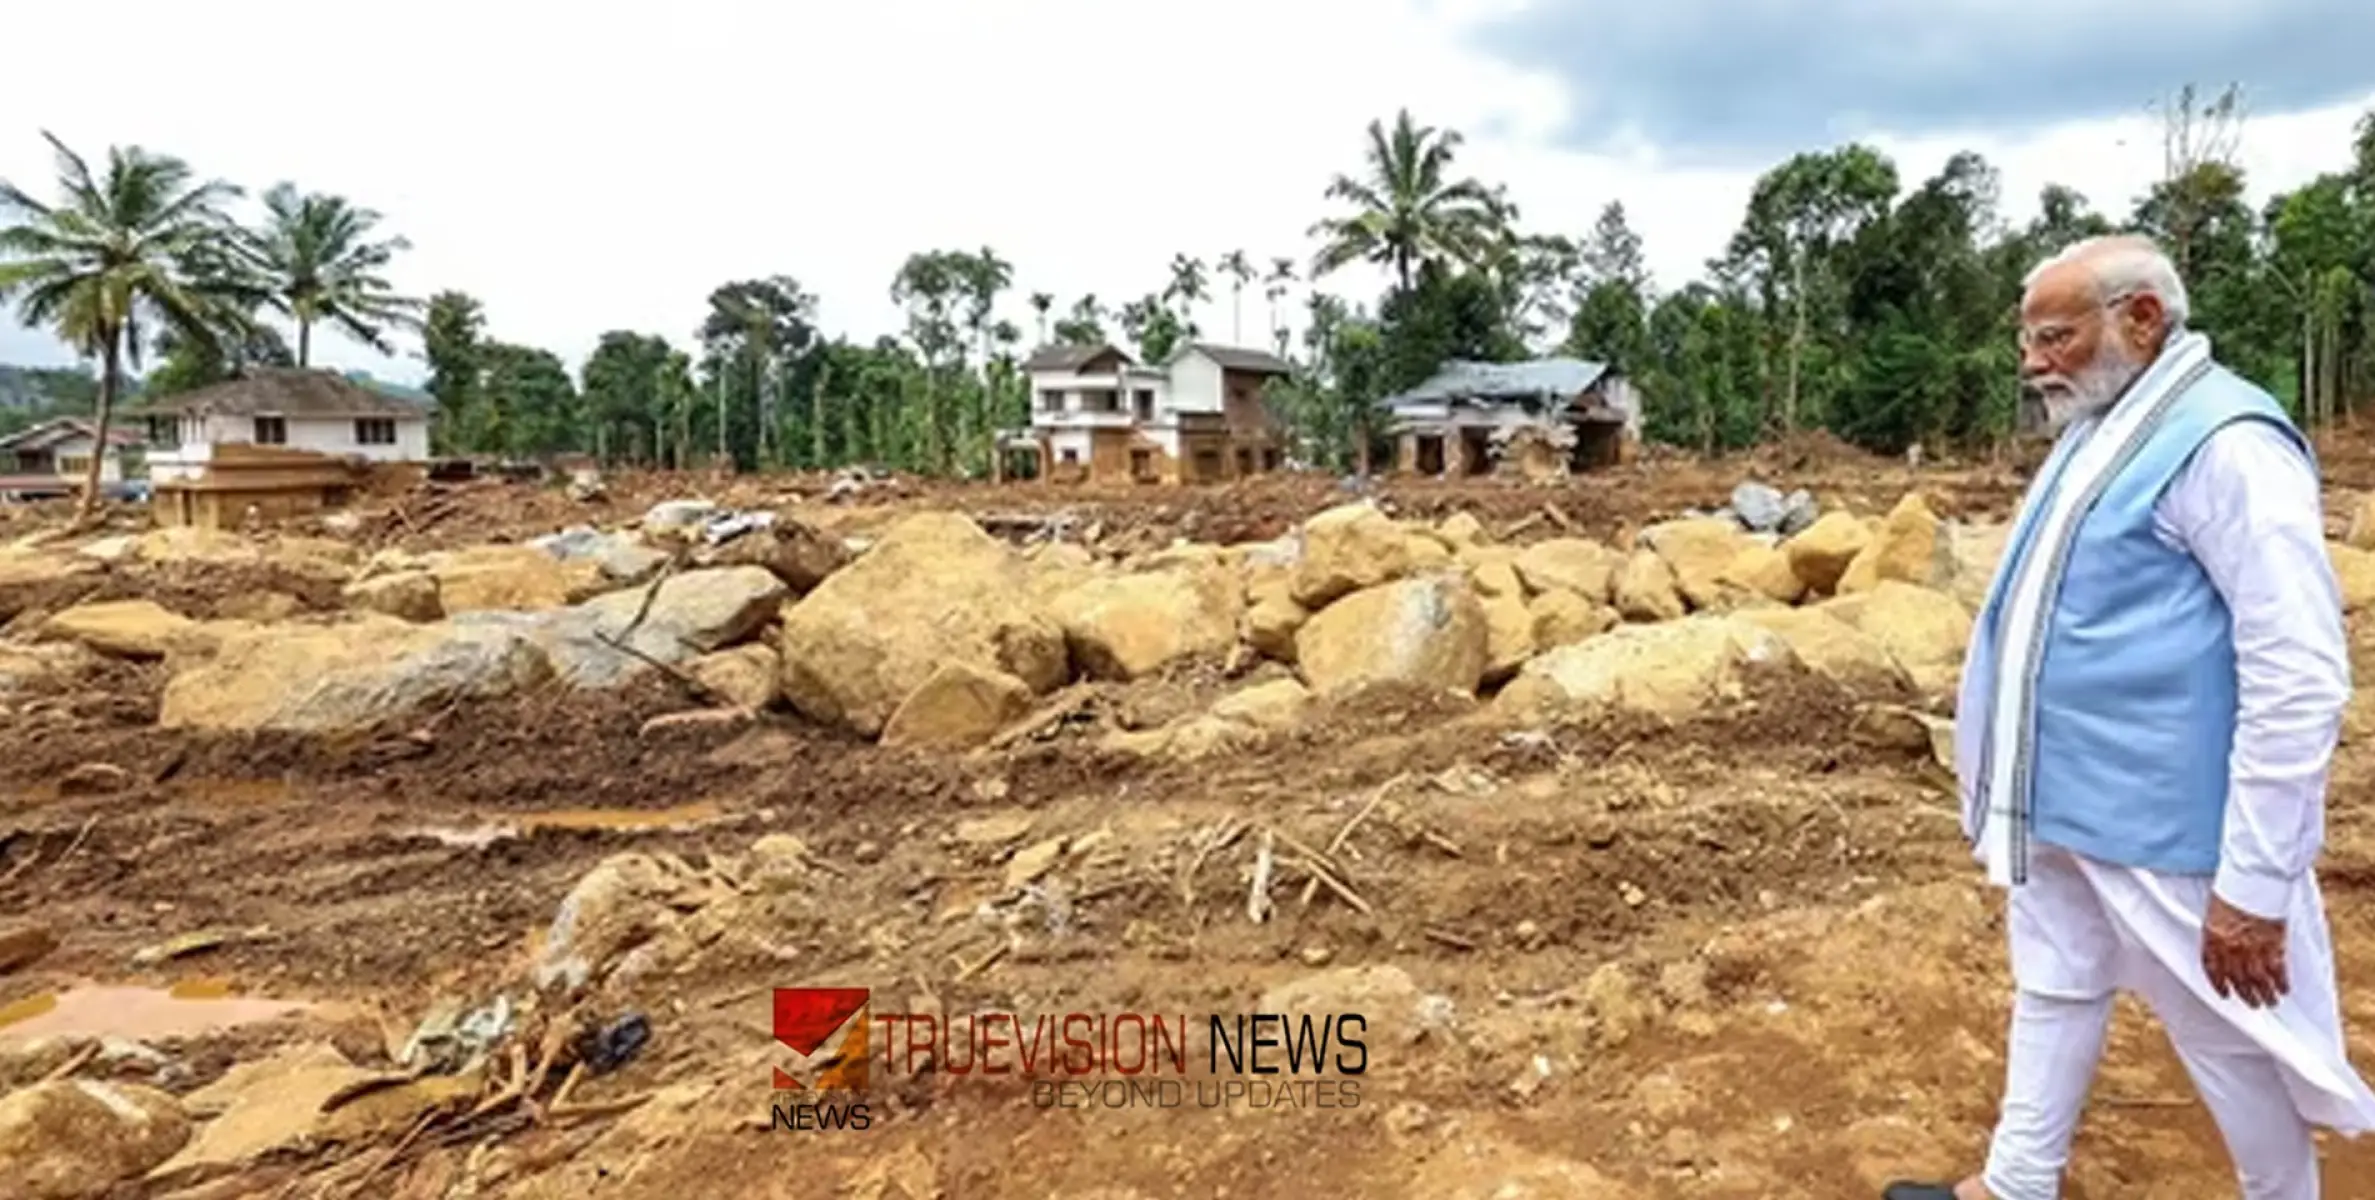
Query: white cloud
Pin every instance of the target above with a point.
(591, 169)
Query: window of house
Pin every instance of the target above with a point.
(1143, 400)
(73, 464)
(375, 431)
(1072, 456)
(272, 431)
(164, 432)
(1051, 400)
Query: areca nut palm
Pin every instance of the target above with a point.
(1407, 208)
(133, 248)
(319, 263)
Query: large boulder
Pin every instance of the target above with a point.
(1648, 590)
(1346, 549)
(407, 595)
(2354, 571)
(335, 678)
(1764, 571)
(1834, 649)
(1821, 552)
(135, 629)
(961, 704)
(49, 664)
(1910, 547)
(747, 676)
(1127, 626)
(623, 558)
(1429, 630)
(799, 555)
(512, 578)
(1563, 618)
(1509, 635)
(1699, 548)
(1576, 565)
(934, 590)
(1462, 530)
(2360, 535)
(1236, 721)
(1672, 669)
(1975, 551)
(1927, 632)
(77, 1137)
(683, 617)
(1495, 577)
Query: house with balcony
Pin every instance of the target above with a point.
(1099, 415)
(53, 458)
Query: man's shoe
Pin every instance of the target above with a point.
(1918, 1191)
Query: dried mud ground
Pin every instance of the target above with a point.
(1743, 957)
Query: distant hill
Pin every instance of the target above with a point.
(35, 388)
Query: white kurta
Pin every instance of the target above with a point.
(2247, 508)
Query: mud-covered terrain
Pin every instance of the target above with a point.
(401, 854)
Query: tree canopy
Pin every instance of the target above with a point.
(1849, 299)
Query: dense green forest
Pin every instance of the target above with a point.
(1849, 299)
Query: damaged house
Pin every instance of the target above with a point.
(1538, 419)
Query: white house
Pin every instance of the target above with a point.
(1098, 414)
(54, 457)
(294, 407)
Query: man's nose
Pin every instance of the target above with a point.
(2034, 363)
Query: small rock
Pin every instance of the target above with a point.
(1408, 1117)
(1634, 896)
(1033, 861)
(1317, 956)
(1682, 1148)
(994, 830)
(75, 1137)
(699, 718)
(1529, 935)
(1759, 507)
(94, 779)
(866, 853)
(23, 945)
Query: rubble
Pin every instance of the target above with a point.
(1554, 788)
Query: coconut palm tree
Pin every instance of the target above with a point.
(134, 248)
(1240, 272)
(316, 256)
(1041, 302)
(1407, 209)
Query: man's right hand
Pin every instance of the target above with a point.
(2244, 955)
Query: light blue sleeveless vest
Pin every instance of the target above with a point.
(2135, 700)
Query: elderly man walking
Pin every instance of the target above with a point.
(2154, 688)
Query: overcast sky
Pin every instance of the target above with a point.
(595, 167)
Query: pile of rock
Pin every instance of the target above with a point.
(939, 634)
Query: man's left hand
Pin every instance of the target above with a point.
(2244, 955)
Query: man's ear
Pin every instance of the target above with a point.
(2142, 320)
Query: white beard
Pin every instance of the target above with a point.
(2088, 392)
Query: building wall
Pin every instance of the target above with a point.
(110, 471)
(1196, 385)
(1241, 401)
(326, 435)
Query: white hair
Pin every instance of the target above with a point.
(2123, 264)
